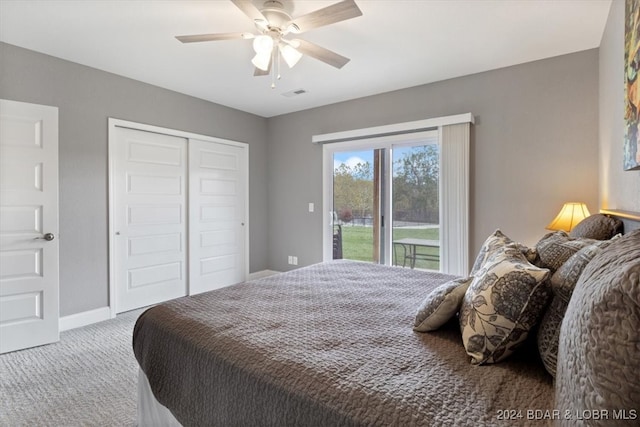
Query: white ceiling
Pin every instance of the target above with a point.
(395, 44)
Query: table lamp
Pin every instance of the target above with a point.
(570, 215)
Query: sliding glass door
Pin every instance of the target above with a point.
(415, 205)
(354, 208)
(383, 199)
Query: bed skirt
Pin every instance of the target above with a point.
(152, 413)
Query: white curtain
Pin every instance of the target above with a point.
(454, 198)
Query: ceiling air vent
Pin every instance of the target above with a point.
(293, 93)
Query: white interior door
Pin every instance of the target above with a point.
(149, 224)
(217, 219)
(29, 306)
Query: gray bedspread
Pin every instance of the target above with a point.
(330, 344)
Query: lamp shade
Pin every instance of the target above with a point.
(262, 61)
(263, 45)
(290, 55)
(570, 215)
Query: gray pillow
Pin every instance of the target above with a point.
(598, 226)
(563, 282)
(598, 355)
(505, 300)
(441, 305)
(565, 278)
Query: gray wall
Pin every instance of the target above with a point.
(86, 97)
(619, 189)
(534, 147)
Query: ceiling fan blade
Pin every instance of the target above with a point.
(320, 53)
(258, 72)
(337, 12)
(213, 37)
(249, 9)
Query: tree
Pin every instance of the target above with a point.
(415, 185)
(353, 190)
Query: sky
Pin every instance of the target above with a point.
(352, 158)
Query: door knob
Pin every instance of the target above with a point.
(48, 237)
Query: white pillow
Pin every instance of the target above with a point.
(441, 305)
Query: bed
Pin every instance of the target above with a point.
(330, 344)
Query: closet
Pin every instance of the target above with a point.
(178, 214)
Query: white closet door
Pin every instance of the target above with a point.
(217, 219)
(150, 218)
(28, 225)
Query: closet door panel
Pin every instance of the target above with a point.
(150, 218)
(217, 219)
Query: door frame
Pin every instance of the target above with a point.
(114, 123)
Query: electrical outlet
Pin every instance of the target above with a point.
(312, 207)
(293, 260)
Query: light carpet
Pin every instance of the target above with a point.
(87, 379)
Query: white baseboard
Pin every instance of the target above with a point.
(83, 319)
(104, 313)
(261, 274)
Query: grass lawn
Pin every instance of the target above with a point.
(357, 243)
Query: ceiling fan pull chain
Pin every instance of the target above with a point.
(276, 49)
(273, 70)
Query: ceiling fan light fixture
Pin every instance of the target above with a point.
(262, 60)
(263, 45)
(289, 54)
(274, 23)
(295, 43)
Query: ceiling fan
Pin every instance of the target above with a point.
(274, 24)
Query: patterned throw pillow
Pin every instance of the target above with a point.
(563, 282)
(496, 244)
(505, 300)
(549, 334)
(554, 249)
(441, 305)
(531, 254)
(565, 278)
(493, 244)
